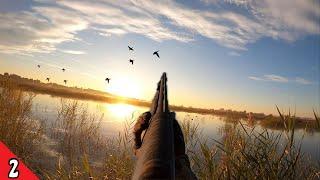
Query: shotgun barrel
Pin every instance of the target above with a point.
(156, 158)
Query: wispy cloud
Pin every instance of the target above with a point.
(270, 77)
(49, 23)
(111, 18)
(256, 78)
(38, 30)
(285, 19)
(280, 79)
(73, 52)
(276, 78)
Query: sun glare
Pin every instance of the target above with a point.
(124, 87)
(121, 110)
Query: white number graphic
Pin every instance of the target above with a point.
(14, 173)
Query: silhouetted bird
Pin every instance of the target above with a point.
(108, 79)
(131, 61)
(48, 79)
(130, 48)
(156, 53)
(38, 66)
(65, 81)
(63, 69)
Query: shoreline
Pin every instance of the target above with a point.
(57, 90)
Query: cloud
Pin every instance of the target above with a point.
(290, 18)
(49, 23)
(111, 18)
(73, 52)
(270, 77)
(280, 79)
(234, 53)
(226, 28)
(163, 20)
(302, 81)
(38, 30)
(276, 78)
(256, 78)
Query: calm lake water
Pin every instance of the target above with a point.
(116, 115)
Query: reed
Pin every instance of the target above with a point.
(79, 143)
(18, 128)
(317, 120)
(247, 153)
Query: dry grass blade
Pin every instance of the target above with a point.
(317, 120)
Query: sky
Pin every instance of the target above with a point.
(232, 54)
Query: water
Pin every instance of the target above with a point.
(116, 115)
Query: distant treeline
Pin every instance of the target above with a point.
(54, 89)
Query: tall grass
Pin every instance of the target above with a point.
(82, 150)
(18, 129)
(78, 140)
(317, 120)
(282, 122)
(247, 153)
(119, 161)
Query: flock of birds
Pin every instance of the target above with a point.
(156, 53)
(48, 79)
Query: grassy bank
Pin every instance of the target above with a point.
(72, 146)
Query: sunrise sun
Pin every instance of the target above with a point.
(125, 87)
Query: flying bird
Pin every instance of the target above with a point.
(130, 48)
(156, 53)
(38, 66)
(131, 61)
(65, 81)
(108, 79)
(48, 79)
(63, 69)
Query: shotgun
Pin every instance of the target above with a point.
(156, 154)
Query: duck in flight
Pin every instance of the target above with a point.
(38, 66)
(108, 79)
(63, 69)
(48, 79)
(131, 61)
(65, 81)
(130, 48)
(156, 53)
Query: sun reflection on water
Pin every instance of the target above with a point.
(120, 110)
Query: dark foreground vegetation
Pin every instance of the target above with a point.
(72, 146)
(36, 86)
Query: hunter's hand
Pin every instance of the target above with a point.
(143, 123)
